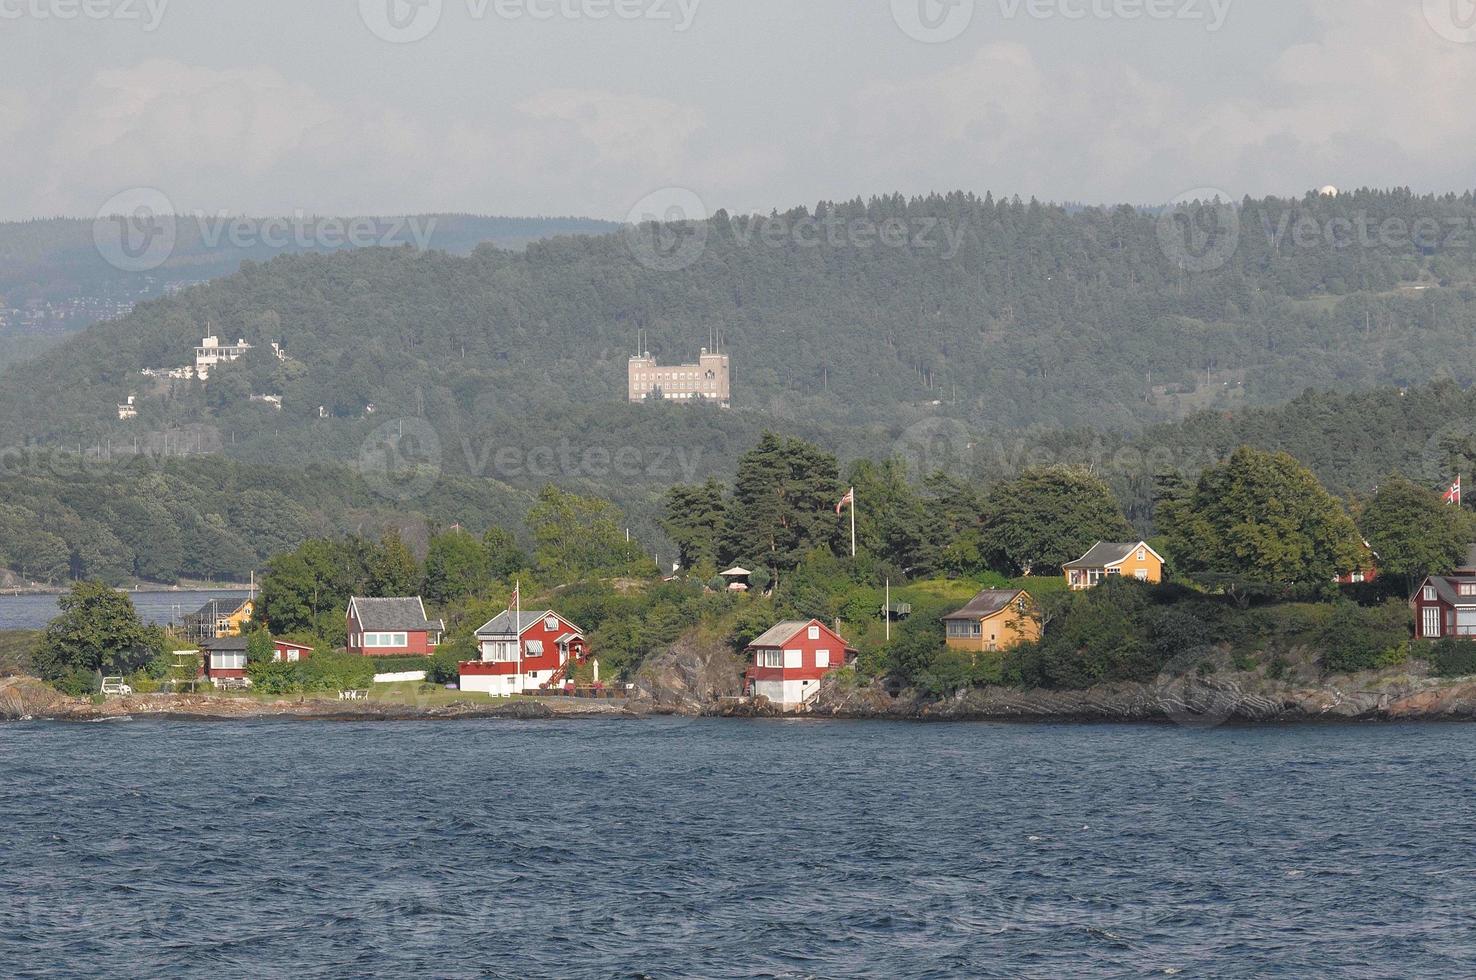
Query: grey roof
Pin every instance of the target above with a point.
(380, 615)
(502, 623)
(986, 603)
(223, 644)
(1447, 587)
(211, 609)
(1104, 553)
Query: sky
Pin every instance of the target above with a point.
(591, 107)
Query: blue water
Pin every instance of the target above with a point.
(707, 848)
(33, 612)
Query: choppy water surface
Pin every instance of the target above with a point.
(708, 848)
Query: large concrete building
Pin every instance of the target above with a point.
(707, 380)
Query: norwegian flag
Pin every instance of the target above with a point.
(1453, 495)
(849, 498)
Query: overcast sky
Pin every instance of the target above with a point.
(530, 107)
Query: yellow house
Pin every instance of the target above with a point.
(994, 620)
(1105, 559)
(218, 619)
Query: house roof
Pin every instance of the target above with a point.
(1447, 587)
(986, 604)
(781, 633)
(225, 644)
(212, 609)
(502, 623)
(289, 643)
(405, 613)
(1105, 554)
(736, 570)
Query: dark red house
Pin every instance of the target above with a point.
(392, 628)
(790, 659)
(223, 661)
(285, 651)
(524, 651)
(1445, 605)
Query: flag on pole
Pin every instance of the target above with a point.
(849, 498)
(1453, 495)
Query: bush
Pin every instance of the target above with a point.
(1453, 657)
(444, 667)
(1352, 638)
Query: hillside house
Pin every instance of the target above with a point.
(223, 661)
(995, 620)
(1106, 559)
(789, 660)
(391, 627)
(217, 618)
(524, 651)
(212, 352)
(291, 653)
(1445, 605)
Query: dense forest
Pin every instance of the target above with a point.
(67, 517)
(1007, 315)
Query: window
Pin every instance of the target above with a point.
(1094, 576)
(385, 640)
(794, 659)
(1142, 554)
(551, 623)
(1429, 593)
(228, 661)
(975, 629)
(1431, 622)
(814, 633)
(822, 658)
(770, 658)
(1141, 575)
(1468, 588)
(293, 656)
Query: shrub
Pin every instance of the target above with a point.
(1453, 657)
(1352, 638)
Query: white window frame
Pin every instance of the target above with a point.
(1431, 618)
(1141, 574)
(1429, 593)
(822, 659)
(813, 632)
(382, 640)
(1142, 554)
(769, 658)
(551, 623)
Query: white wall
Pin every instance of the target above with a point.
(408, 675)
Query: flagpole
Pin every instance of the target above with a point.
(518, 629)
(887, 611)
(853, 522)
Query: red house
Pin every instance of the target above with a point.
(1367, 570)
(223, 661)
(286, 652)
(1445, 605)
(790, 659)
(524, 652)
(392, 628)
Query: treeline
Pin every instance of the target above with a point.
(64, 516)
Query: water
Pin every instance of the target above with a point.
(709, 848)
(33, 612)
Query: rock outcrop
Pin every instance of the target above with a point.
(690, 677)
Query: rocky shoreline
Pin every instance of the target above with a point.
(1190, 701)
(25, 698)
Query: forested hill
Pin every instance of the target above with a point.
(1008, 314)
